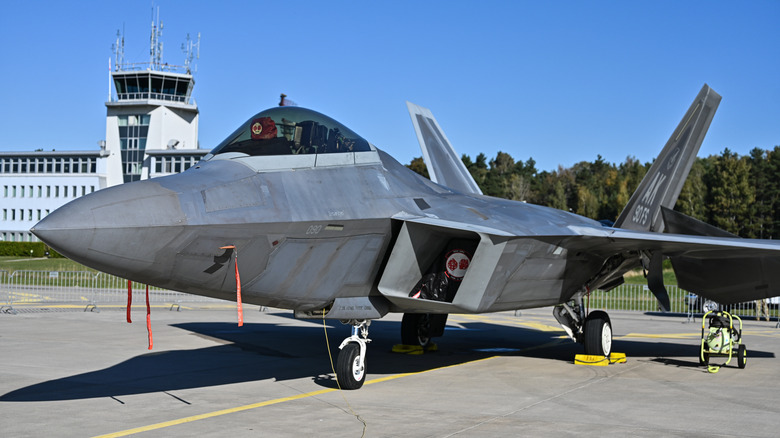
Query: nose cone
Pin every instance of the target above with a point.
(120, 230)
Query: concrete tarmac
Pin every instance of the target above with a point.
(72, 373)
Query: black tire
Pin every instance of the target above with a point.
(598, 334)
(416, 329)
(742, 356)
(349, 372)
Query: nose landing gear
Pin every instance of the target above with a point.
(351, 362)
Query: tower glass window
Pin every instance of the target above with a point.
(133, 130)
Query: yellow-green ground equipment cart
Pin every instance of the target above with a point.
(721, 339)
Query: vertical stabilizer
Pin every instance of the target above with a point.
(444, 165)
(663, 182)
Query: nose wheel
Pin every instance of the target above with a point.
(351, 363)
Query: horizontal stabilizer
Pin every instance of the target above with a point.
(727, 278)
(444, 165)
(679, 223)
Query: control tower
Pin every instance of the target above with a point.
(150, 109)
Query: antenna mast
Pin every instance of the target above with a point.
(119, 49)
(156, 49)
(191, 49)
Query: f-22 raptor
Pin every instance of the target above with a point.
(330, 226)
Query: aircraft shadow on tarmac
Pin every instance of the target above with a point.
(261, 351)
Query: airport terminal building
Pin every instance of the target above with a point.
(151, 131)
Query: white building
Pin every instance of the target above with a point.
(37, 183)
(151, 130)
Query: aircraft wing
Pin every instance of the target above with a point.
(513, 269)
(725, 269)
(444, 165)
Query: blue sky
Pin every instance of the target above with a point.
(558, 81)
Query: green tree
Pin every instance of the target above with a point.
(418, 166)
(693, 196)
(773, 192)
(732, 193)
(761, 221)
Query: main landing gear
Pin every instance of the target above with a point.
(419, 328)
(351, 363)
(593, 330)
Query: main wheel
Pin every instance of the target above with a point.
(349, 371)
(742, 356)
(598, 334)
(416, 329)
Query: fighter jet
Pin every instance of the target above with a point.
(324, 223)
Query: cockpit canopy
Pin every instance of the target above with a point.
(291, 131)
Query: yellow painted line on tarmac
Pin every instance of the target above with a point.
(771, 333)
(81, 306)
(24, 294)
(29, 304)
(661, 335)
(190, 419)
(538, 326)
(28, 297)
(524, 323)
(214, 414)
(476, 317)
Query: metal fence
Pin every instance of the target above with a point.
(93, 290)
(80, 288)
(638, 297)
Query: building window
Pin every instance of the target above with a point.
(133, 130)
(56, 191)
(29, 215)
(5, 191)
(21, 191)
(65, 192)
(83, 190)
(30, 193)
(40, 191)
(92, 189)
(5, 214)
(48, 191)
(39, 214)
(13, 214)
